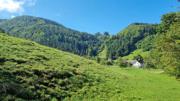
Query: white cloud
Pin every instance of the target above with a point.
(15, 6)
(13, 16)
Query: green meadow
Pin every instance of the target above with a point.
(29, 71)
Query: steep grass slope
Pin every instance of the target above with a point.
(33, 72)
(29, 71)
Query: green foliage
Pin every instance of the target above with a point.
(103, 37)
(29, 71)
(125, 42)
(104, 61)
(130, 85)
(121, 62)
(147, 43)
(167, 48)
(139, 58)
(161, 50)
(144, 54)
(51, 34)
(168, 20)
(1, 31)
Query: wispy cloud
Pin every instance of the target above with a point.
(15, 6)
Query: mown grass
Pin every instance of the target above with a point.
(29, 71)
(131, 85)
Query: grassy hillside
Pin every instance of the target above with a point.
(29, 71)
(51, 34)
(34, 72)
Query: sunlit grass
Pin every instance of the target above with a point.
(29, 71)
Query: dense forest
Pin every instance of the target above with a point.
(127, 40)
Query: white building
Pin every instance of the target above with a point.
(135, 63)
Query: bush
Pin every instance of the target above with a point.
(122, 63)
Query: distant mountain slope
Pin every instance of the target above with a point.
(1, 20)
(51, 34)
(126, 41)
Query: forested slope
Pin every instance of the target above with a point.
(51, 34)
(126, 41)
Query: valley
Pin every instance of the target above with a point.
(30, 71)
(41, 60)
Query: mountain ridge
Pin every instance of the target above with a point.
(50, 33)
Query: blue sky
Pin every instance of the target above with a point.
(92, 15)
